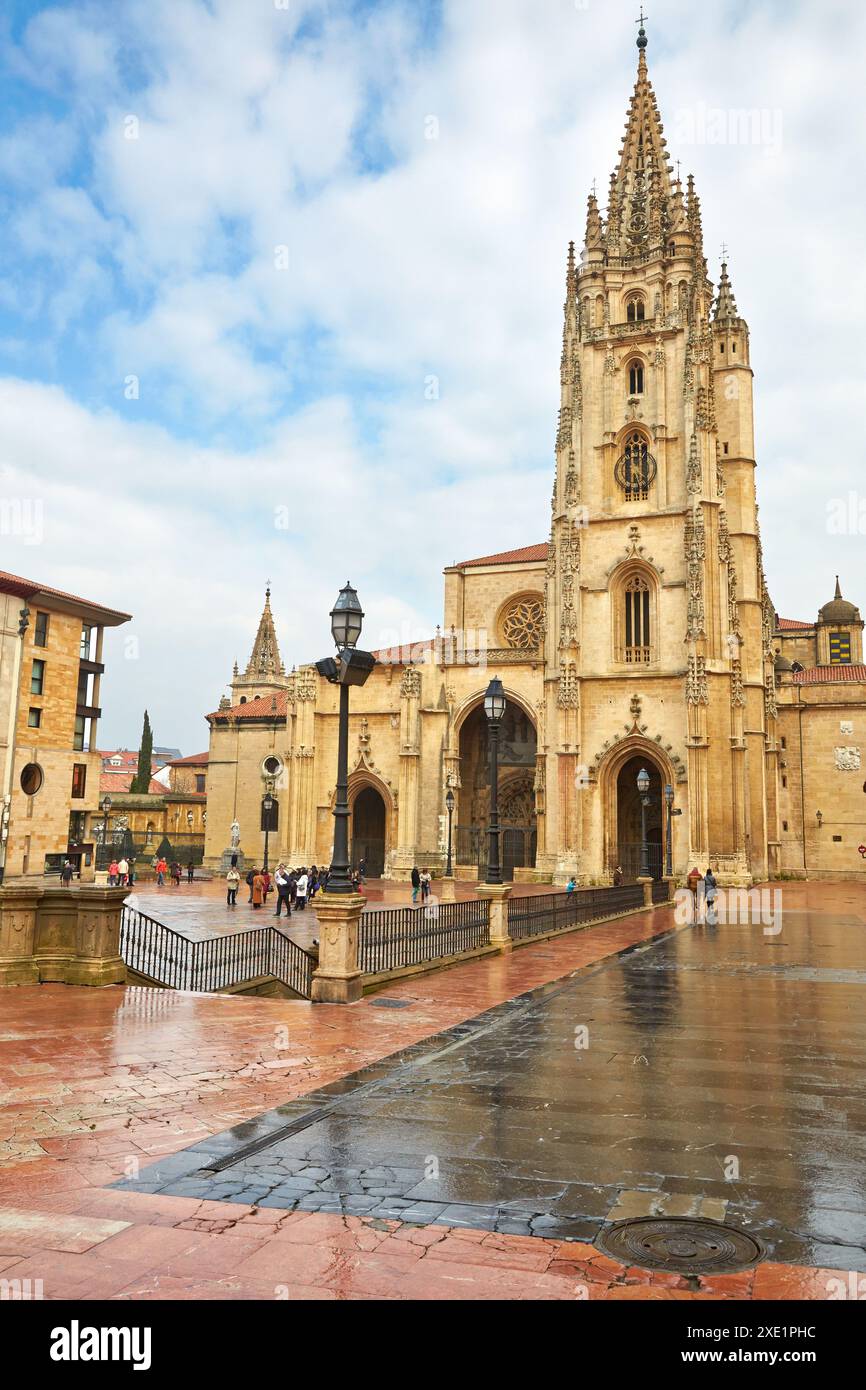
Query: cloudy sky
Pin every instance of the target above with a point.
(281, 286)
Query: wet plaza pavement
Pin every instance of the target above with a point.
(698, 1050)
(713, 1072)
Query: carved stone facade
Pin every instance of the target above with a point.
(641, 633)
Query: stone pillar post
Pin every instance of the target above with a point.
(17, 931)
(446, 889)
(498, 894)
(337, 979)
(647, 891)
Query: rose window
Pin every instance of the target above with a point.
(523, 623)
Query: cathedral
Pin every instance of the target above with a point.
(640, 635)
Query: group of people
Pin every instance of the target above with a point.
(421, 881)
(162, 868)
(294, 887)
(704, 889)
(120, 873)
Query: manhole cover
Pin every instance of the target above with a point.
(390, 1003)
(681, 1245)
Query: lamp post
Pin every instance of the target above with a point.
(449, 806)
(643, 783)
(494, 708)
(267, 807)
(106, 807)
(351, 667)
(669, 801)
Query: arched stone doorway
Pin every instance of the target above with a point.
(368, 837)
(627, 849)
(517, 748)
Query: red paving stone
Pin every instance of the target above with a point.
(95, 1082)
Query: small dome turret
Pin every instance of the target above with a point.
(839, 610)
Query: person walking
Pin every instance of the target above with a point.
(190, 872)
(618, 876)
(303, 887)
(362, 869)
(416, 883)
(258, 890)
(66, 873)
(233, 879)
(694, 881)
(123, 873)
(571, 885)
(175, 874)
(711, 889)
(249, 881)
(284, 899)
(425, 885)
(113, 871)
(161, 871)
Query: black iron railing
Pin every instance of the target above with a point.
(540, 913)
(394, 937)
(661, 890)
(218, 962)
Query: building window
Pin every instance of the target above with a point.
(37, 677)
(635, 379)
(34, 718)
(79, 780)
(636, 645)
(40, 630)
(784, 781)
(200, 778)
(840, 649)
(86, 649)
(784, 743)
(635, 309)
(636, 468)
(78, 735)
(32, 778)
(784, 825)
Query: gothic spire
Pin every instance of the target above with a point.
(726, 305)
(641, 186)
(264, 662)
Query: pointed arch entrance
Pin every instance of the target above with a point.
(622, 808)
(369, 830)
(517, 818)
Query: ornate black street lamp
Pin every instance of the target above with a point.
(267, 807)
(449, 806)
(669, 801)
(643, 783)
(494, 708)
(106, 807)
(351, 667)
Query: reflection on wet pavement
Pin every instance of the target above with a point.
(713, 1072)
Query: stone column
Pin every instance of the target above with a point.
(337, 979)
(647, 891)
(446, 889)
(498, 895)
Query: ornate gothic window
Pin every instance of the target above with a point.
(635, 379)
(634, 599)
(522, 622)
(636, 468)
(635, 309)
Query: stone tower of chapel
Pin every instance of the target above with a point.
(658, 643)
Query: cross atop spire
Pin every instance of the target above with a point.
(638, 208)
(641, 33)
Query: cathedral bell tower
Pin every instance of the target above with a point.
(265, 673)
(656, 645)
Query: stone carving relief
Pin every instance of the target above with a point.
(847, 759)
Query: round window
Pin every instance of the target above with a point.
(32, 778)
(272, 766)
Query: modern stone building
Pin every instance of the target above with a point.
(640, 635)
(50, 672)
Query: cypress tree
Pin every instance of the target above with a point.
(141, 781)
